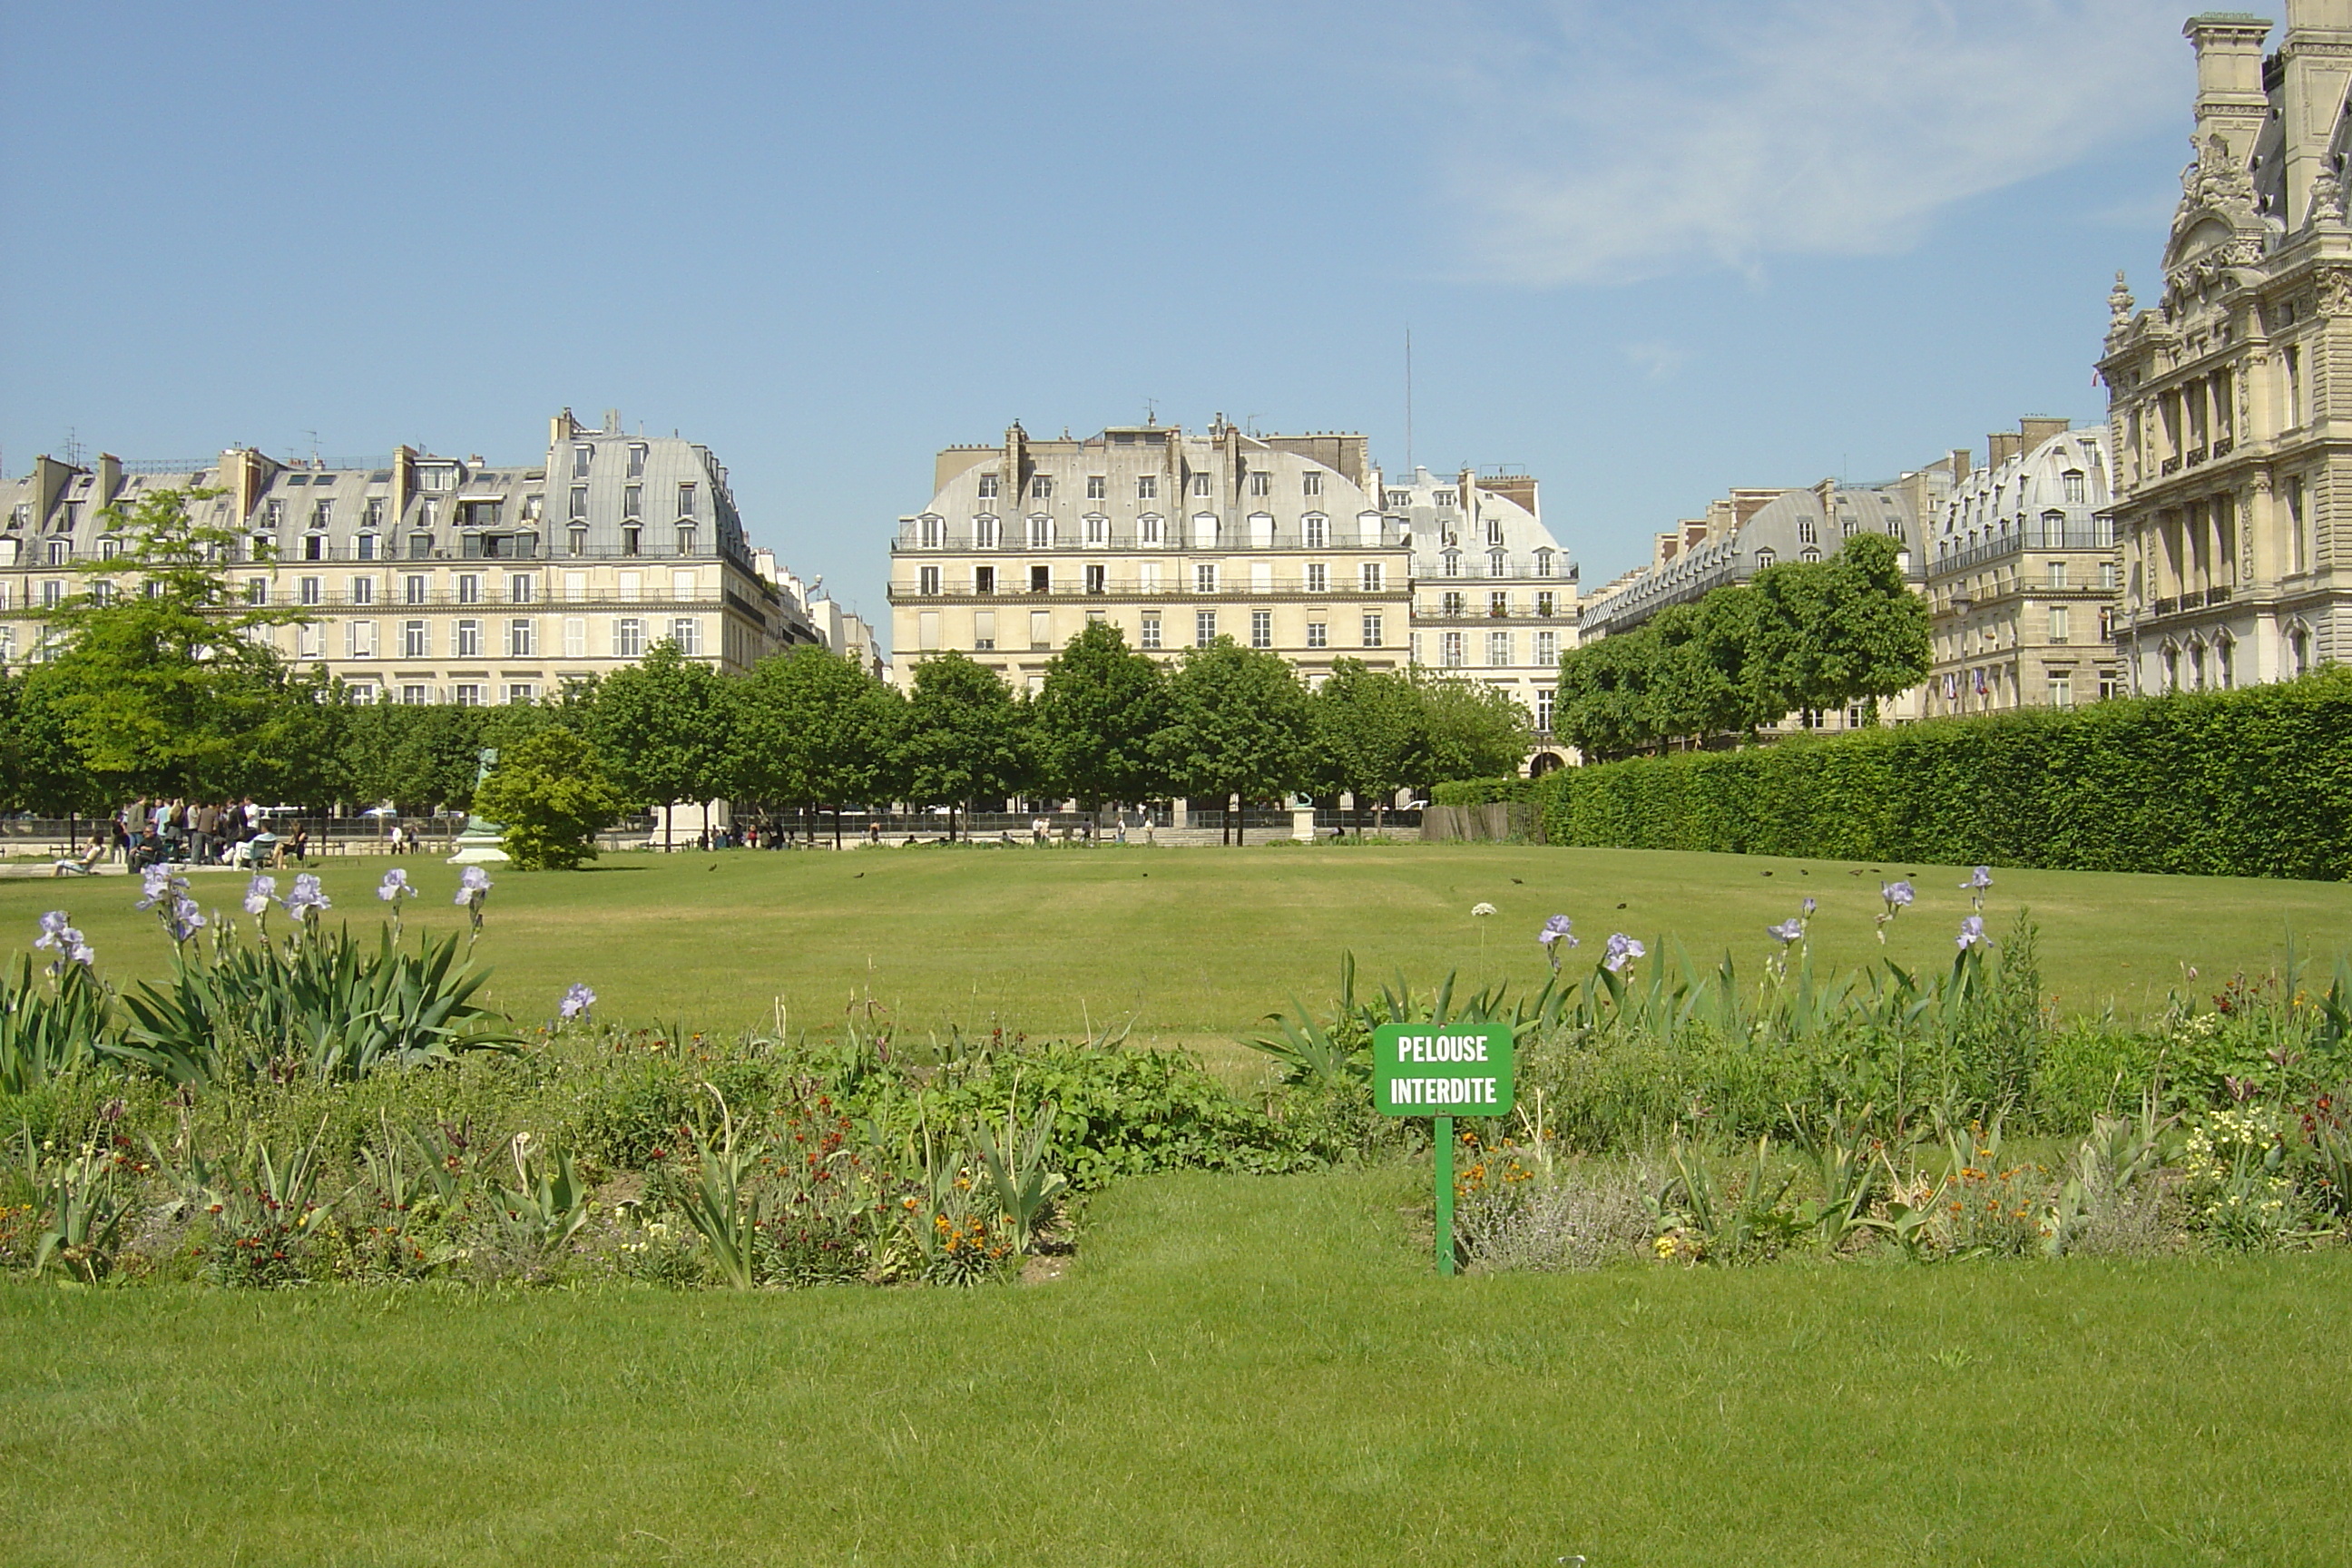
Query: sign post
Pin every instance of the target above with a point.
(1440, 1071)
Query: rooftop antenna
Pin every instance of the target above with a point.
(1408, 400)
(73, 446)
(1151, 411)
(314, 447)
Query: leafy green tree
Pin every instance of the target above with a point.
(1368, 734)
(550, 794)
(1095, 718)
(1471, 731)
(1871, 641)
(1237, 728)
(160, 680)
(40, 768)
(963, 735)
(421, 758)
(801, 731)
(1603, 706)
(660, 725)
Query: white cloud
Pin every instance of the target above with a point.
(1656, 361)
(1608, 143)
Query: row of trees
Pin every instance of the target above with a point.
(1806, 635)
(163, 690)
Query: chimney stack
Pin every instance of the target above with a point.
(2231, 102)
(2312, 73)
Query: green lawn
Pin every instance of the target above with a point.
(1234, 1370)
(1193, 945)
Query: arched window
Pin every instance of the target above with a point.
(1097, 530)
(1808, 554)
(1150, 529)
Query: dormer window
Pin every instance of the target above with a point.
(1041, 487)
(988, 487)
(1543, 562)
(984, 532)
(1495, 562)
(1200, 486)
(636, 459)
(582, 456)
(686, 501)
(632, 500)
(631, 541)
(1316, 528)
(686, 539)
(931, 532)
(1453, 562)
(579, 539)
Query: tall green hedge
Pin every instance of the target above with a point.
(1485, 792)
(2255, 782)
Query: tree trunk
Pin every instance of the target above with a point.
(667, 808)
(836, 828)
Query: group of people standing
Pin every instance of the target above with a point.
(202, 833)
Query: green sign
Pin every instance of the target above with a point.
(1441, 1071)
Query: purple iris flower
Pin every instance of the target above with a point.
(258, 894)
(1809, 907)
(1979, 880)
(158, 883)
(577, 1000)
(307, 899)
(1622, 951)
(1898, 895)
(1788, 930)
(394, 886)
(1554, 935)
(1972, 932)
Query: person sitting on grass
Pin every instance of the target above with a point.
(84, 863)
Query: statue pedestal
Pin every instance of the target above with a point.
(478, 844)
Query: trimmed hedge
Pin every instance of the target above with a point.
(2256, 783)
(1483, 792)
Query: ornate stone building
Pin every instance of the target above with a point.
(1278, 541)
(1494, 593)
(2023, 576)
(2230, 400)
(439, 579)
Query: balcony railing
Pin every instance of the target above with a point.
(2095, 535)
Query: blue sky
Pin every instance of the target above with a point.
(1648, 251)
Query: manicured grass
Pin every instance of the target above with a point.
(1234, 1370)
(1194, 944)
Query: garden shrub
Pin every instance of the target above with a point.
(2254, 782)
